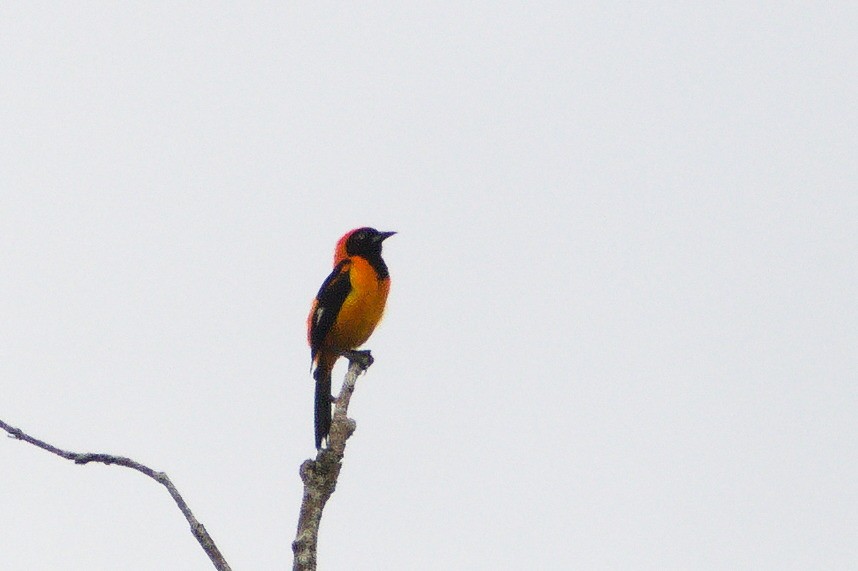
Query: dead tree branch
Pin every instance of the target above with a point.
(197, 528)
(320, 475)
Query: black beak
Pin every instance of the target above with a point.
(382, 236)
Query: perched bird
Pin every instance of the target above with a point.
(346, 310)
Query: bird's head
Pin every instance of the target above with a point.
(364, 242)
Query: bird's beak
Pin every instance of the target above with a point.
(382, 236)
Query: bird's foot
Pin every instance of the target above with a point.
(361, 357)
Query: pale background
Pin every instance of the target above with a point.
(622, 332)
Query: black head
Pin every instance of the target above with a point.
(366, 242)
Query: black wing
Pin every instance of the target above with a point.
(329, 300)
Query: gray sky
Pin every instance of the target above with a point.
(622, 330)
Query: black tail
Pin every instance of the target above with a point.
(323, 404)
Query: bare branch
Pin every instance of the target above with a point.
(320, 475)
(197, 528)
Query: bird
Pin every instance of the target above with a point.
(346, 311)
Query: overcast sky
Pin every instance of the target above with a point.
(622, 331)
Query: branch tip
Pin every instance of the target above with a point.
(197, 528)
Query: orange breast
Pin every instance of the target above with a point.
(362, 309)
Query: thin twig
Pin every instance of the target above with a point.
(197, 528)
(320, 475)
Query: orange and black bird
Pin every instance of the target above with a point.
(346, 310)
